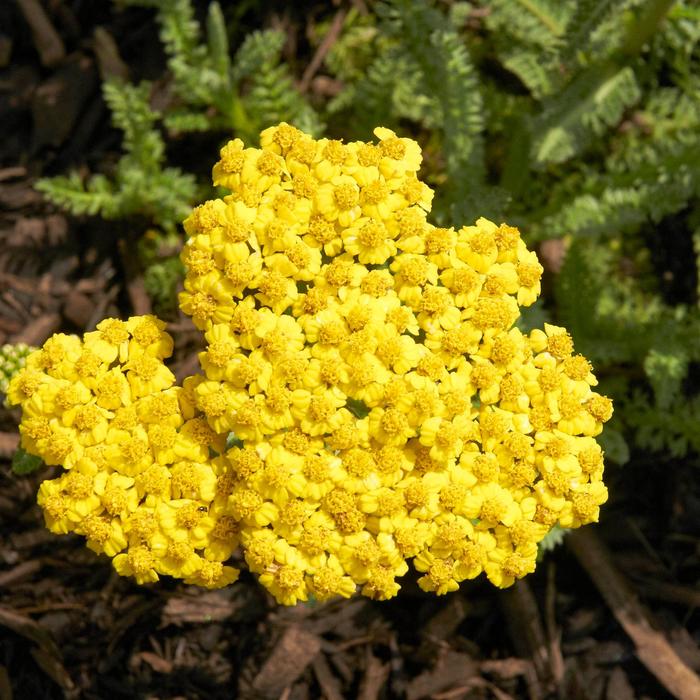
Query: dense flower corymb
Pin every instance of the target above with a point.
(379, 403)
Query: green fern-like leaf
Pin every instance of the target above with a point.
(273, 98)
(652, 181)
(448, 75)
(259, 51)
(584, 21)
(529, 67)
(217, 41)
(591, 104)
(666, 368)
(69, 193)
(186, 120)
(674, 429)
(532, 22)
(553, 539)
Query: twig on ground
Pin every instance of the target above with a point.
(670, 592)
(556, 659)
(330, 685)
(376, 674)
(323, 48)
(653, 649)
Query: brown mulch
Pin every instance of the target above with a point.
(581, 627)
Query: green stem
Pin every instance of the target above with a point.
(644, 28)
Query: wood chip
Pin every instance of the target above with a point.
(330, 685)
(78, 308)
(51, 665)
(12, 172)
(9, 442)
(135, 288)
(59, 100)
(376, 674)
(653, 649)
(619, 687)
(446, 621)
(46, 653)
(28, 628)
(452, 669)
(48, 43)
(505, 668)
(209, 606)
(109, 61)
(5, 685)
(157, 663)
(670, 592)
(38, 330)
(20, 572)
(19, 195)
(294, 651)
(188, 367)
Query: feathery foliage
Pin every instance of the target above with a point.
(249, 91)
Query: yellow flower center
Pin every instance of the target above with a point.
(140, 559)
(346, 196)
(114, 332)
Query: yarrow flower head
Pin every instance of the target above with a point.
(366, 399)
(138, 484)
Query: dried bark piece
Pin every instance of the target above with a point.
(295, 650)
(157, 663)
(440, 627)
(46, 653)
(135, 287)
(205, 607)
(619, 687)
(59, 101)
(78, 308)
(452, 669)
(9, 442)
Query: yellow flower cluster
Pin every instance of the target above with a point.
(367, 361)
(138, 482)
(365, 399)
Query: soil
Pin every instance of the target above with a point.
(581, 627)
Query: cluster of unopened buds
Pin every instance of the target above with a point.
(12, 359)
(365, 397)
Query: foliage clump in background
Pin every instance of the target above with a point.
(574, 120)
